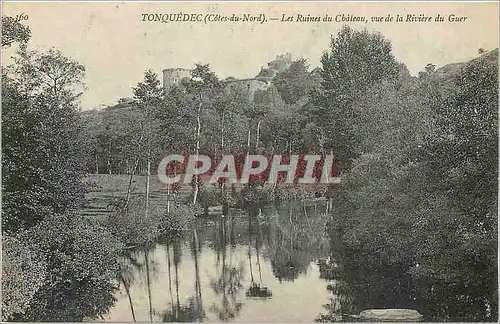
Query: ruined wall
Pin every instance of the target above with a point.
(248, 86)
(174, 76)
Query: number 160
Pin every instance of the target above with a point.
(21, 17)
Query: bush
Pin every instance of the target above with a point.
(82, 265)
(23, 273)
(179, 219)
(131, 226)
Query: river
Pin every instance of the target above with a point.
(269, 264)
(260, 266)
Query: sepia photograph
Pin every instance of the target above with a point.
(249, 161)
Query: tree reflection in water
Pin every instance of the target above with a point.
(185, 313)
(193, 310)
(272, 241)
(133, 268)
(295, 241)
(128, 268)
(229, 278)
(196, 303)
(254, 233)
(342, 303)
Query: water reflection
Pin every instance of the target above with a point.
(247, 266)
(192, 310)
(295, 239)
(256, 289)
(270, 264)
(228, 280)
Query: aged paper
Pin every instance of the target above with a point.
(249, 161)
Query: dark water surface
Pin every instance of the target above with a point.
(273, 264)
(260, 266)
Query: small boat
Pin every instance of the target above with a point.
(258, 291)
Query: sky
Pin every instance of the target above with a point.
(116, 46)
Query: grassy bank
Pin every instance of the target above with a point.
(104, 190)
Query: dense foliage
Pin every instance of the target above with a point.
(41, 167)
(82, 266)
(413, 224)
(23, 273)
(65, 267)
(13, 31)
(417, 212)
(357, 60)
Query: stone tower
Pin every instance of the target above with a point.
(174, 76)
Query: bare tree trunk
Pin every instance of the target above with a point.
(257, 140)
(248, 141)
(197, 271)
(275, 182)
(96, 164)
(168, 199)
(231, 237)
(148, 282)
(148, 172)
(127, 290)
(250, 263)
(222, 132)
(177, 290)
(223, 187)
(307, 217)
(129, 189)
(198, 131)
(258, 264)
(224, 260)
(147, 188)
(170, 277)
(250, 247)
(136, 164)
(322, 143)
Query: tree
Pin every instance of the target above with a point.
(41, 189)
(148, 94)
(204, 87)
(14, 31)
(58, 74)
(42, 167)
(382, 205)
(81, 274)
(467, 147)
(112, 137)
(295, 82)
(415, 217)
(23, 273)
(461, 162)
(356, 61)
(281, 63)
(429, 69)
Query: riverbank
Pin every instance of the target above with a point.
(104, 190)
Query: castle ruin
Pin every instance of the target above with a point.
(262, 81)
(174, 76)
